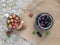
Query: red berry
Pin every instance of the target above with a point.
(8, 21)
(7, 32)
(10, 17)
(14, 26)
(10, 26)
(17, 18)
(30, 14)
(14, 15)
(11, 20)
(16, 21)
(11, 31)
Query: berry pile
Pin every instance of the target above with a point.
(44, 21)
(13, 21)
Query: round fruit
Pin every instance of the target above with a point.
(10, 26)
(39, 34)
(10, 17)
(11, 31)
(17, 18)
(14, 26)
(14, 16)
(15, 21)
(30, 14)
(8, 21)
(7, 32)
(11, 20)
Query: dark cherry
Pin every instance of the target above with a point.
(46, 21)
(39, 34)
(8, 32)
(11, 31)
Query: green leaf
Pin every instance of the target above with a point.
(47, 32)
(33, 32)
(8, 35)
